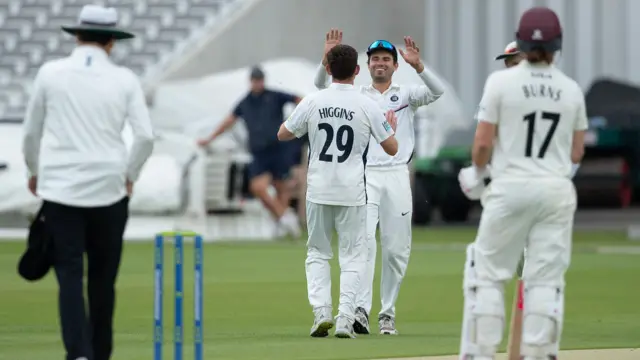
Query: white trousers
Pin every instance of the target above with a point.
(536, 214)
(390, 204)
(349, 223)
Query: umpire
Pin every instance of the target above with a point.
(79, 165)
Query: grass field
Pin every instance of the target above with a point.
(256, 305)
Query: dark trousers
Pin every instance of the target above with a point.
(98, 232)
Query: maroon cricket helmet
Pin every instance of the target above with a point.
(539, 28)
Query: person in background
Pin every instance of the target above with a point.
(262, 111)
(80, 166)
(511, 56)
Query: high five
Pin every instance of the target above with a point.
(389, 199)
(340, 122)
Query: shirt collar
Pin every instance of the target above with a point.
(84, 50)
(393, 86)
(259, 95)
(341, 86)
(542, 65)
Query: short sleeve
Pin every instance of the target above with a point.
(582, 122)
(380, 129)
(490, 102)
(298, 121)
(286, 98)
(237, 111)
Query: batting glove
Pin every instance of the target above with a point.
(471, 181)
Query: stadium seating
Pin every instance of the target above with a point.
(30, 34)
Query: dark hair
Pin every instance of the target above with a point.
(539, 55)
(98, 38)
(342, 60)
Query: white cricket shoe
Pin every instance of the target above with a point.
(344, 328)
(387, 325)
(322, 323)
(279, 231)
(289, 222)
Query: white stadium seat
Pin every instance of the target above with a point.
(30, 33)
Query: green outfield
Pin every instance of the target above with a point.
(256, 305)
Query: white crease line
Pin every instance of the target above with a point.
(609, 250)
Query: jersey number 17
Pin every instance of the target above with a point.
(530, 119)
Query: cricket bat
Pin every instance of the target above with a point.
(515, 330)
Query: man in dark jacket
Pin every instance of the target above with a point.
(262, 111)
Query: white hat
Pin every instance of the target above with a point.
(99, 20)
(510, 50)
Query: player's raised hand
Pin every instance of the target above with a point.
(333, 38)
(392, 119)
(411, 54)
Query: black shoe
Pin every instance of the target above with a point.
(361, 323)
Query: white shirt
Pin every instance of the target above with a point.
(405, 101)
(340, 122)
(536, 109)
(73, 129)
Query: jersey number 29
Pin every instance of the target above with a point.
(344, 142)
(531, 128)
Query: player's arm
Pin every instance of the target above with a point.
(431, 91)
(577, 149)
(383, 128)
(433, 88)
(487, 117)
(332, 38)
(579, 131)
(582, 124)
(471, 178)
(296, 126)
(483, 144)
(33, 125)
(321, 79)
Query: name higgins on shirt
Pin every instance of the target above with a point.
(336, 112)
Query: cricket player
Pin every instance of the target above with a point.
(533, 118)
(340, 122)
(389, 199)
(511, 55)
